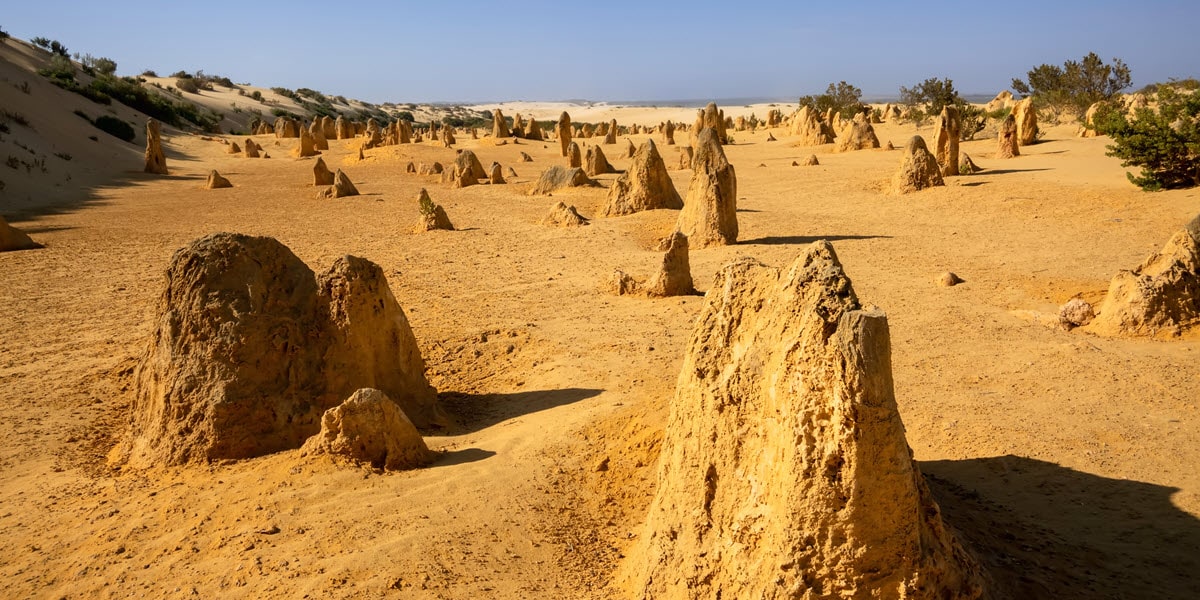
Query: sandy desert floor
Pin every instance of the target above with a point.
(1066, 461)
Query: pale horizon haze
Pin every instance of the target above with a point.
(470, 52)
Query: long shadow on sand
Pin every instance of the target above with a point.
(1046, 531)
(461, 457)
(1007, 171)
(472, 412)
(782, 240)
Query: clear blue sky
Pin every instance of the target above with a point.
(616, 49)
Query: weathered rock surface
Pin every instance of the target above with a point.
(433, 216)
(499, 125)
(918, 170)
(784, 471)
(466, 160)
(1161, 297)
(12, 238)
(321, 174)
(947, 129)
(562, 215)
(341, 188)
(674, 276)
(709, 215)
(595, 163)
(1006, 139)
(645, 185)
(156, 161)
(574, 156)
(1025, 116)
(250, 347)
(370, 428)
(1077, 312)
(860, 135)
(215, 181)
(563, 131)
(557, 177)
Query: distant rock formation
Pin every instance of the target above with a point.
(645, 185)
(1002, 101)
(321, 174)
(156, 161)
(307, 146)
(562, 215)
(811, 129)
(947, 129)
(499, 125)
(1006, 139)
(860, 135)
(557, 177)
(215, 181)
(674, 276)
(433, 216)
(574, 156)
(919, 169)
(1025, 116)
(341, 188)
(709, 215)
(595, 163)
(563, 130)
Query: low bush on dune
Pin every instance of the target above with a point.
(187, 84)
(115, 127)
(106, 87)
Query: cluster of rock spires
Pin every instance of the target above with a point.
(250, 347)
(784, 471)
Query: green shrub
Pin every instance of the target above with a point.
(187, 84)
(842, 97)
(3, 36)
(1074, 86)
(1164, 143)
(101, 65)
(149, 73)
(60, 68)
(115, 127)
(928, 98)
(41, 42)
